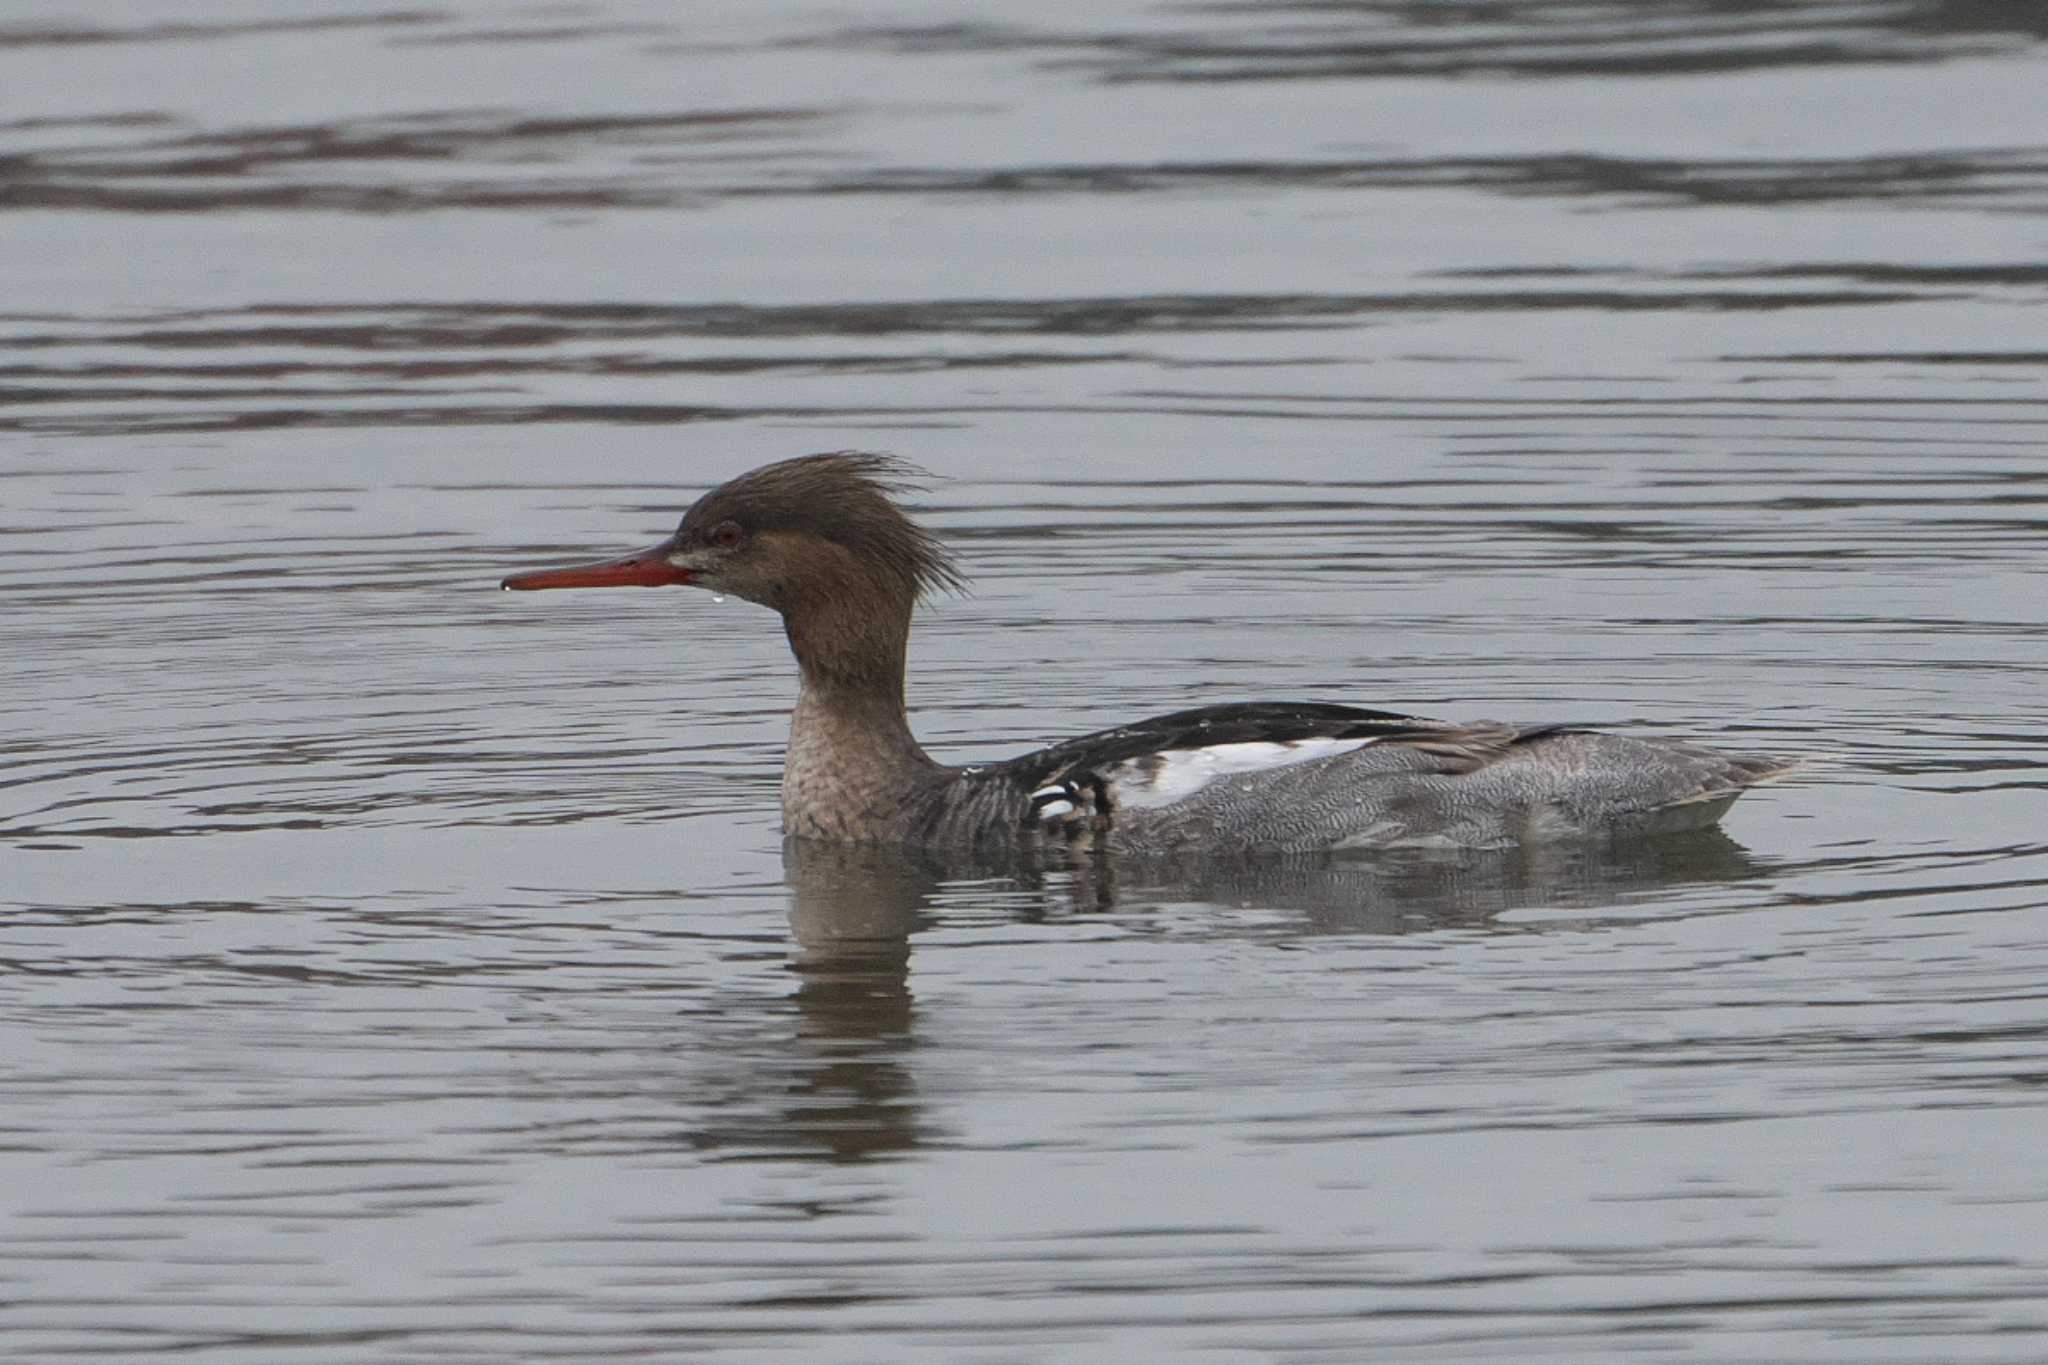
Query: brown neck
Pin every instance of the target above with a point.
(852, 759)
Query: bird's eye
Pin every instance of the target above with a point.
(727, 535)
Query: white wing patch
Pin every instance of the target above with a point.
(1163, 778)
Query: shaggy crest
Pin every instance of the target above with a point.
(843, 497)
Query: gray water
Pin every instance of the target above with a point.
(397, 970)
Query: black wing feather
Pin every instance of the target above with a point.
(1236, 723)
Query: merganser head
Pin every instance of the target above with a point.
(785, 535)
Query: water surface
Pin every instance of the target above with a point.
(400, 970)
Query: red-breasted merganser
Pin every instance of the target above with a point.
(821, 541)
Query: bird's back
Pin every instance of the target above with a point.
(1287, 777)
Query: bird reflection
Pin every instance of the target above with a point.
(857, 905)
(1412, 891)
(854, 910)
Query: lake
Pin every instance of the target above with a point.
(400, 970)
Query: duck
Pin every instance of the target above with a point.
(825, 542)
